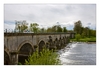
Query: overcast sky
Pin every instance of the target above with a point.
(47, 15)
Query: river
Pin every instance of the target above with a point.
(78, 54)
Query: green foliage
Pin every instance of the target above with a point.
(45, 57)
(64, 29)
(19, 63)
(83, 31)
(87, 32)
(78, 27)
(34, 27)
(59, 29)
(77, 37)
(21, 26)
(93, 33)
(83, 35)
(86, 39)
(49, 29)
(43, 30)
(55, 28)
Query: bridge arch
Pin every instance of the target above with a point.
(56, 41)
(60, 38)
(23, 44)
(50, 39)
(7, 59)
(24, 50)
(63, 40)
(41, 45)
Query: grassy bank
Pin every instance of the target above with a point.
(92, 39)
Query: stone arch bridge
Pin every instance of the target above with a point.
(18, 46)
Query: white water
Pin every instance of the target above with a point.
(78, 54)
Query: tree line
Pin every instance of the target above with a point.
(83, 31)
(22, 26)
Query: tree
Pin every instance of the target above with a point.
(83, 35)
(43, 30)
(92, 33)
(78, 27)
(86, 32)
(54, 28)
(64, 29)
(59, 29)
(34, 27)
(49, 29)
(21, 26)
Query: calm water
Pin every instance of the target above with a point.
(78, 54)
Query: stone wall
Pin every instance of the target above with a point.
(16, 43)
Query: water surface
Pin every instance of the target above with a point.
(78, 54)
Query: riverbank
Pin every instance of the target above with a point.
(91, 40)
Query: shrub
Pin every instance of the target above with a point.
(77, 37)
(45, 57)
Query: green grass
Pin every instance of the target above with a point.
(91, 39)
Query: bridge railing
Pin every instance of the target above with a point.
(15, 34)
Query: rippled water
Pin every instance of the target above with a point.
(78, 54)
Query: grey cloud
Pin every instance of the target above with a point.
(49, 14)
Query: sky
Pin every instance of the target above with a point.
(47, 15)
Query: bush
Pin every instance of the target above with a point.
(45, 57)
(77, 37)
